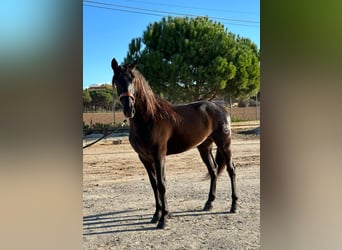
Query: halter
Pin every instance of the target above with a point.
(127, 94)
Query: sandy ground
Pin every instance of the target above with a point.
(118, 201)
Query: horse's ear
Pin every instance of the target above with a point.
(115, 66)
(133, 65)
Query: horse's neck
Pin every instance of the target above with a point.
(139, 125)
(140, 116)
(142, 111)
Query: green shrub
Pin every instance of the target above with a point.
(85, 126)
(234, 118)
(98, 125)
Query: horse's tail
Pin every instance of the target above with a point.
(220, 162)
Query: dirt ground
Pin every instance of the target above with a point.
(118, 201)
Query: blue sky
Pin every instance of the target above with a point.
(110, 25)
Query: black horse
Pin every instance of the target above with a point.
(158, 128)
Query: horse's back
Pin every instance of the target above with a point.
(199, 120)
(203, 113)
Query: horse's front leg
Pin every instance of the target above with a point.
(161, 186)
(153, 180)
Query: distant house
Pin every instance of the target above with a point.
(97, 86)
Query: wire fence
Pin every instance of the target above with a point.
(236, 113)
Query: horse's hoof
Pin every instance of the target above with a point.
(233, 210)
(207, 207)
(161, 225)
(163, 222)
(155, 218)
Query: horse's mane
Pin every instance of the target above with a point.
(156, 107)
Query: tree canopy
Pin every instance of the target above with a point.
(101, 97)
(186, 59)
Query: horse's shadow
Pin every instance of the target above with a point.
(116, 222)
(130, 221)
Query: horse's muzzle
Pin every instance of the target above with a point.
(128, 105)
(130, 112)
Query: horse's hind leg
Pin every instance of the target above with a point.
(225, 150)
(207, 157)
(231, 172)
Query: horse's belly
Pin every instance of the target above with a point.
(178, 146)
(175, 150)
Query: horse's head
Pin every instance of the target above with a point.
(123, 80)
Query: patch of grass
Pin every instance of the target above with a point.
(234, 118)
(85, 126)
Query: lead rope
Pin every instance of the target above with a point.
(105, 134)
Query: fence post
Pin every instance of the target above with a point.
(113, 106)
(257, 107)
